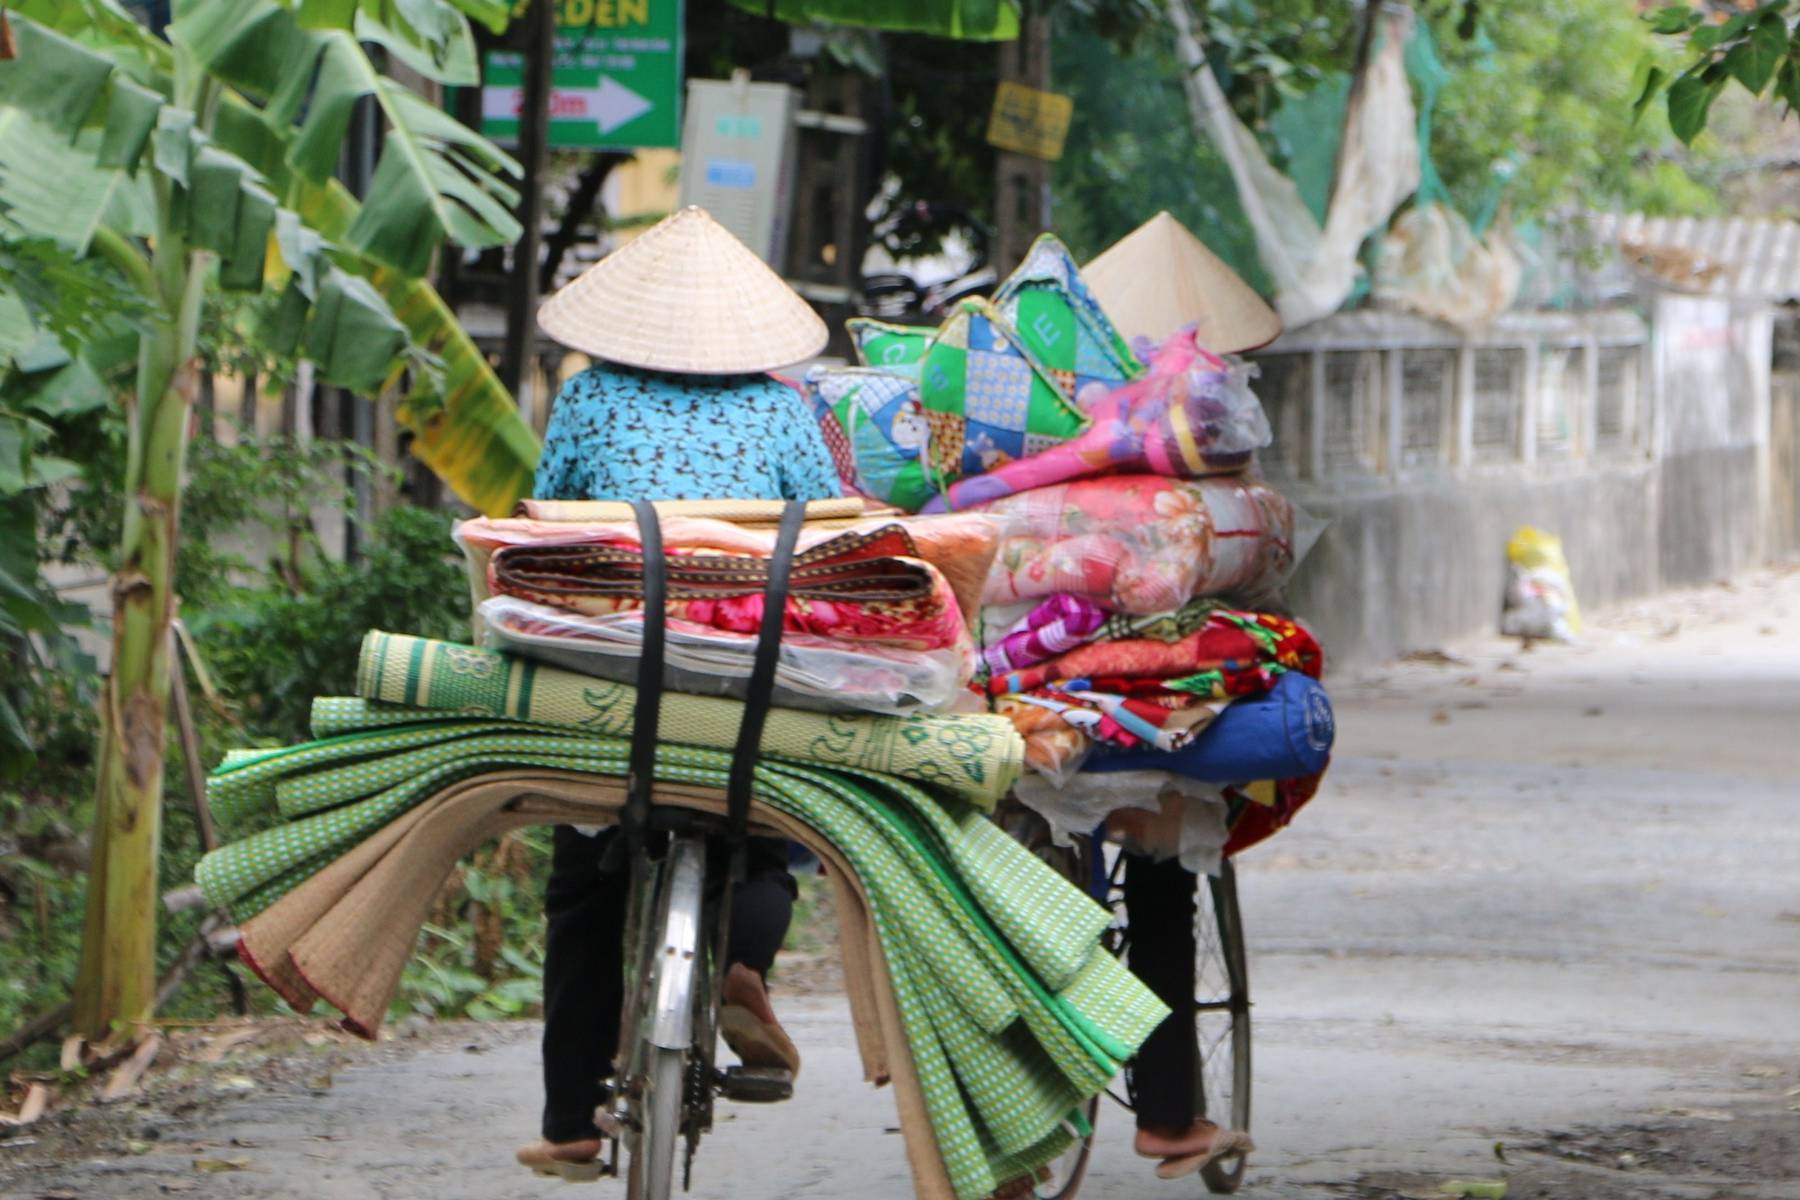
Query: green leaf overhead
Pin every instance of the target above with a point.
(17, 330)
(1753, 61)
(464, 423)
(438, 45)
(352, 336)
(1690, 99)
(62, 79)
(972, 20)
(1655, 78)
(131, 116)
(1675, 18)
(256, 189)
(435, 176)
(430, 36)
(1787, 83)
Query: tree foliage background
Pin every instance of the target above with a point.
(1535, 112)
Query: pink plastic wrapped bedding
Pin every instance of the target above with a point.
(1193, 415)
(1141, 543)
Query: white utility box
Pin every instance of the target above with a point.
(737, 159)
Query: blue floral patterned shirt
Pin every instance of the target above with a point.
(618, 433)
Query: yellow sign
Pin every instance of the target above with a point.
(1027, 121)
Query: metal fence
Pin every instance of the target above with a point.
(1376, 395)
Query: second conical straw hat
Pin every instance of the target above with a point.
(686, 296)
(1160, 277)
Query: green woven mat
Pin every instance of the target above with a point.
(977, 756)
(1013, 1013)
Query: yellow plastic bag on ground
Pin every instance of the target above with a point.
(1540, 592)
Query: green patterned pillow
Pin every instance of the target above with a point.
(874, 426)
(1061, 324)
(987, 398)
(879, 344)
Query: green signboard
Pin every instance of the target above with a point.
(616, 82)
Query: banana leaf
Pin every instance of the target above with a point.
(435, 177)
(47, 188)
(466, 426)
(967, 20)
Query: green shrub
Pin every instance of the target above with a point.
(271, 649)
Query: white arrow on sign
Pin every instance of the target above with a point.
(608, 106)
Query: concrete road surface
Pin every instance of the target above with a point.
(1547, 899)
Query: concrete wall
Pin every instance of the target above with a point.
(1410, 568)
(1712, 437)
(1644, 445)
(1784, 438)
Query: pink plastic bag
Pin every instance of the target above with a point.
(1193, 415)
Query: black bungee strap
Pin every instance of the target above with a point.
(760, 692)
(640, 776)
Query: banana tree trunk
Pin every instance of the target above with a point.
(115, 989)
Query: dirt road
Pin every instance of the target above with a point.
(1550, 900)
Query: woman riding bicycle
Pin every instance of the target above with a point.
(687, 323)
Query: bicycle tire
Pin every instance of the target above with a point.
(1226, 1175)
(657, 1106)
(1069, 1170)
(652, 1173)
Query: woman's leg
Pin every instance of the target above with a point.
(583, 981)
(761, 910)
(1159, 906)
(762, 907)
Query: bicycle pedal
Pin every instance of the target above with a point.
(757, 1085)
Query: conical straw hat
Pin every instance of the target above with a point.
(687, 297)
(1160, 277)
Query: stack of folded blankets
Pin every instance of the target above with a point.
(1130, 624)
(978, 981)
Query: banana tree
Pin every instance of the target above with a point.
(205, 161)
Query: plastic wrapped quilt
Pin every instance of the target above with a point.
(819, 673)
(1141, 543)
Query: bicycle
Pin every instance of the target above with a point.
(1222, 992)
(682, 866)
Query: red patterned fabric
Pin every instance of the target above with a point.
(1156, 695)
(1259, 822)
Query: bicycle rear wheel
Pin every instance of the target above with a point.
(1222, 993)
(669, 989)
(652, 1174)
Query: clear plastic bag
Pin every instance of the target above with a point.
(1159, 814)
(814, 672)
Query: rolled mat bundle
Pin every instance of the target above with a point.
(852, 567)
(1007, 1012)
(959, 546)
